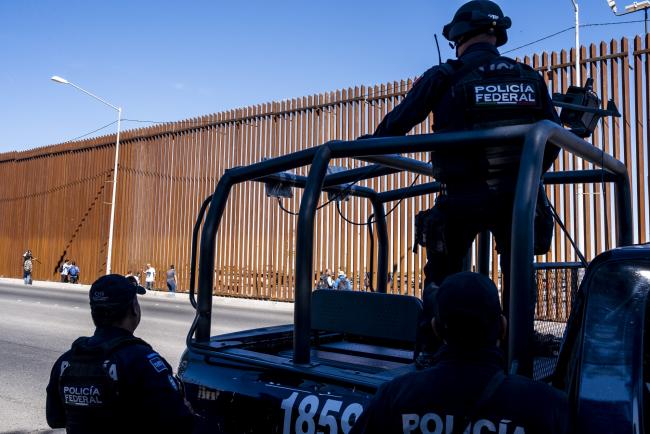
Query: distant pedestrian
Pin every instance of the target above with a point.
(73, 273)
(133, 276)
(325, 280)
(28, 266)
(342, 282)
(64, 270)
(171, 279)
(367, 281)
(150, 277)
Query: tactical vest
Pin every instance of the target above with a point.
(497, 93)
(89, 387)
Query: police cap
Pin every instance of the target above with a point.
(475, 17)
(468, 311)
(112, 292)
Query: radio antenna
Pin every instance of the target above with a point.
(438, 47)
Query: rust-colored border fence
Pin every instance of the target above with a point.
(55, 200)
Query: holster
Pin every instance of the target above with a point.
(544, 223)
(430, 230)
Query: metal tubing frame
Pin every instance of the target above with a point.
(520, 359)
(195, 234)
(274, 170)
(304, 262)
(357, 191)
(534, 136)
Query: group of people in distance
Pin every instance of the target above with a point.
(326, 281)
(69, 271)
(150, 278)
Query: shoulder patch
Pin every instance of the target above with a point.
(157, 362)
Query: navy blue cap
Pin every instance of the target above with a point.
(468, 309)
(113, 291)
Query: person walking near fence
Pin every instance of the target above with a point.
(171, 279)
(28, 265)
(134, 276)
(64, 270)
(73, 273)
(325, 280)
(342, 282)
(150, 277)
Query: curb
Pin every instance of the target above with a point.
(182, 296)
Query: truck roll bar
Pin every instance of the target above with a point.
(381, 151)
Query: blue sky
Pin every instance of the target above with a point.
(164, 61)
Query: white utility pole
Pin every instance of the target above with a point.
(58, 79)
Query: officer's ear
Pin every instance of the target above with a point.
(436, 328)
(135, 306)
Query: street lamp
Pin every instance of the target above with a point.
(634, 7)
(61, 80)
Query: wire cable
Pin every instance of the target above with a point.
(338, 207)
(92, 132)
(566, 232)
(337, 195)
(570, 28)
(284, 209)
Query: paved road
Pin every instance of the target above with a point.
(38, 323)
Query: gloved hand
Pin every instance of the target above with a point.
(365, 136)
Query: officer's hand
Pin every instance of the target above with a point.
(365, 136)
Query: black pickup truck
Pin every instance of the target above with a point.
(317, 374)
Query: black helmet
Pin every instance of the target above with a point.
(475, 17)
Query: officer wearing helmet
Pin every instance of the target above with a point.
(466, 391)
(113, 382)
(479, 89)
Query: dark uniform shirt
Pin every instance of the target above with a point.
(434, 399)
(150, 398)
(428, 90)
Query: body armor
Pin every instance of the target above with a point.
(89, 386)
(498, 93)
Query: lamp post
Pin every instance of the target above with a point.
(577, 25)
(579, 188)
(634, 7)
(61, 80)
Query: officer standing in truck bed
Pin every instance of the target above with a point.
(481, 89)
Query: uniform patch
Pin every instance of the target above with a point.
(514, 93)
(157, 362)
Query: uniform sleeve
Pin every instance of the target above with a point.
(161, 396)
(372, 420)
(54, 411)
(415, 107)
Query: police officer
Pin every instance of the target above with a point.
(480, 89)
(113, 382)
(467, 385)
